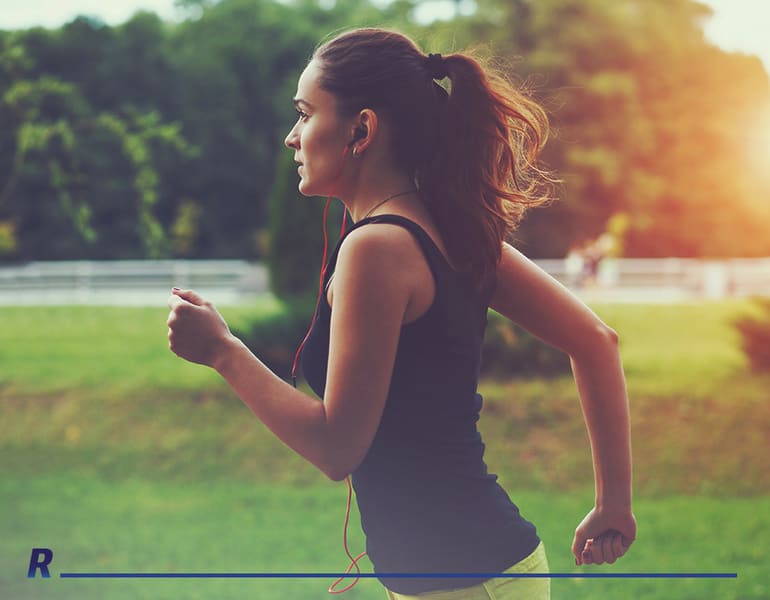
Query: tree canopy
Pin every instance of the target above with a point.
(155, 139)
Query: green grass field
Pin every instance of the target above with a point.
(122, 457)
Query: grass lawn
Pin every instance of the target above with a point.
(116, 350)
(137, 525)
(121, 457)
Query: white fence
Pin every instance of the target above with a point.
(668, 279)
(130, 282)
(236, 281)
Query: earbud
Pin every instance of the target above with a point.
(358, 134)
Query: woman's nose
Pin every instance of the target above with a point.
(292, 140)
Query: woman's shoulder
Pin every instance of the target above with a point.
(409, 231)
(384, 246)
(386, 255)
(374, 237)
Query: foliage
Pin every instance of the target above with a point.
(755, 335)
(83, 183)
(186, 228)
(276, 338)
(7, 239)
(151, 138)
(650, 120)
(510, 350)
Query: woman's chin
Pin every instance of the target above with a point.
(304, 188)
(309, 190)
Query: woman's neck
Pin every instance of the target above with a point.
(378, 195)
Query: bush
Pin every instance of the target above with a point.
(275, 338)
(755, 335)
(510, 350)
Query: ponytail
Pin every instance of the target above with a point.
(482, 174)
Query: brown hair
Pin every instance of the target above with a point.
(472, 149)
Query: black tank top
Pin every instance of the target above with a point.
(427, 502)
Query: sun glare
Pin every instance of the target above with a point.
(761, 141)
(765, 129)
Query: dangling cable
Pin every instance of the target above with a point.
(353, 561)
(318, 298)
(323, 267)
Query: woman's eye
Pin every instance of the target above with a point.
(302, 115)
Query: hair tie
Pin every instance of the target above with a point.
(436, 66)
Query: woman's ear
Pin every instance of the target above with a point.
(364, 130)
(359, 133)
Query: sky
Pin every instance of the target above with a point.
(737, 25)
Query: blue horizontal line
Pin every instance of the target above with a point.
(398, 575)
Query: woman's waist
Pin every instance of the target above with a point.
(467, 511)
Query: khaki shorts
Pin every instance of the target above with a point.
(501, 588)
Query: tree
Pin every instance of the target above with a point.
(102, 124)
(82, 183)
(646, 124)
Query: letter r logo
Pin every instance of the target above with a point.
(40, 559)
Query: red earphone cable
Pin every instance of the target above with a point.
(318, 298)
(353, 561)
(323, 268)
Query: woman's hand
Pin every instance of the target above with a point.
(196, 330)
(604, 536)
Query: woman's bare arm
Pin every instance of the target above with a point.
(533, 299)
(371, 293)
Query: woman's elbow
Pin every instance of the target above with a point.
(345, 449)
(340, 468)
(599, 338)
(601, 335)
(335, 473)
(611, 335)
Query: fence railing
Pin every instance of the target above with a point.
(234, 281)
(130, 282)
(684, 278)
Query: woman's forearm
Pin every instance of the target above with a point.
(297, 419)
(602, 388)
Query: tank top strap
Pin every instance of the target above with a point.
(430, 249)
(432, 253)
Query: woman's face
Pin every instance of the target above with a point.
(319, 136)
